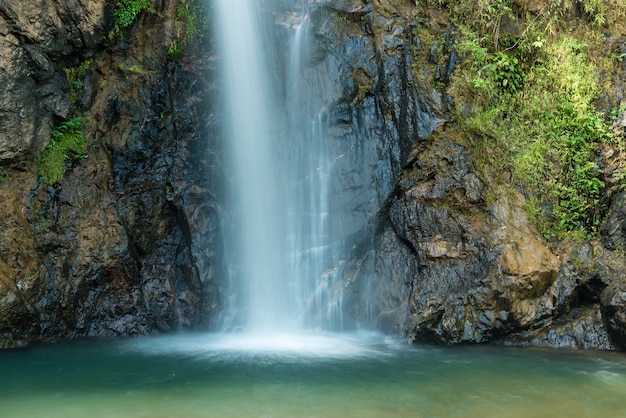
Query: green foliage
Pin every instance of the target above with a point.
(507, 72)
(495, 74)
(75, 77)
(192, 21)
(192, 18)
(175, 51)
(598, 12)
(526, 105)
(125, 12)
(67, 144)
(616, 111)
(556, 127)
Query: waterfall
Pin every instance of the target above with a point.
(277, 241)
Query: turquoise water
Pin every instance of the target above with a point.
(320, 375)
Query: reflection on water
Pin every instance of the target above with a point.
(324, 375)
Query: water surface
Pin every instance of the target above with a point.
(316, 375)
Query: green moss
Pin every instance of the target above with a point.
(363, 86)
(422, 67)
(175, 51)
(585, 269)
(67, 144)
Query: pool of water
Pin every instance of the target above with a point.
(314, 375)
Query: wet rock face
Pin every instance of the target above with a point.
(126, 244)
(449, 259)
(360, 78)
(442, 258)
(165, 201)
(474, 280)
(34, 37)
(447, 268)
(613, 300)
(584, 329)
(613, 232)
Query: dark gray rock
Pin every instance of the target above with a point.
(127, 243)
(613, 231)
(446, 268)
(443, 262)
(584, 329)
(33, 36)
(619, 125)
(613, 300)
(373, 107)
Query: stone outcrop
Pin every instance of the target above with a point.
(450, 267)
(126, 243)
(451, 260)
(613, 300)
(35, 37)
(360, 78)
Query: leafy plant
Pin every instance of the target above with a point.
(507, 72)
(192, 21)
(527, 104)
(175, 51)
(67, 144)
(125, 12)
(76, 77)
(616, 111)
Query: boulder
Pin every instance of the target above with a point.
(583, 330)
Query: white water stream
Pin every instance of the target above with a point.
(277, 238)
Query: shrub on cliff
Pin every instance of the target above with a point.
(526, 91)
(67, 144)
(125, 12)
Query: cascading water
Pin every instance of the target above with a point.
(277, 239)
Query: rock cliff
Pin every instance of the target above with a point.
(125, 243)
(129, 241)
(452, 256)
